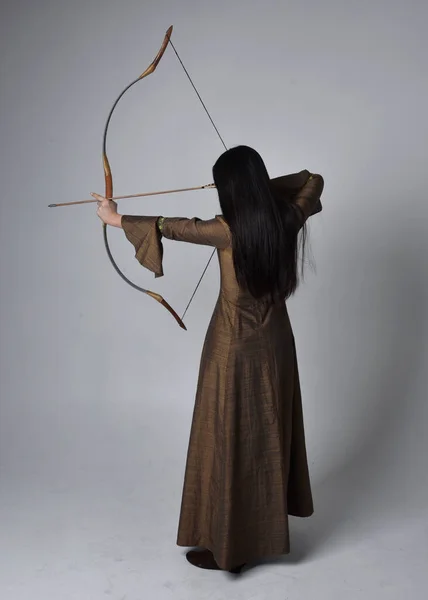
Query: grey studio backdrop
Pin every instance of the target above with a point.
(97, 381)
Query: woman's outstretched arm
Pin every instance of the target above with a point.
(146, 232)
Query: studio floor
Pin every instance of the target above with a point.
(94, 542)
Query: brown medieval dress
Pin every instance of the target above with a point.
(246, 466)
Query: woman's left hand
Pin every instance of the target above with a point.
(107, 210)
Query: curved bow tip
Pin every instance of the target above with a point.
(174, 314)
(151, 68)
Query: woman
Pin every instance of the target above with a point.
(246, 467)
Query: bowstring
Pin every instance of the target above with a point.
(198, 94)
(225, 147)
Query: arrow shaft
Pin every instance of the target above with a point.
(189, 189)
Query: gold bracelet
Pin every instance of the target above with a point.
(160, 223)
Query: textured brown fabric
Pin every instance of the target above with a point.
(246, 467)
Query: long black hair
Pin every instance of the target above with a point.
(265, 229)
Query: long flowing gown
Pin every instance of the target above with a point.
(246, 469)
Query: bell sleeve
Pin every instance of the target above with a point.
(146, 233)
(145, 236)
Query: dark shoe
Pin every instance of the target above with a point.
(203, 559)
(237, 570)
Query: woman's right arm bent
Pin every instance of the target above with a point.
(308, 198)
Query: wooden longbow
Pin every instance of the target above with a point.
(109, 178)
